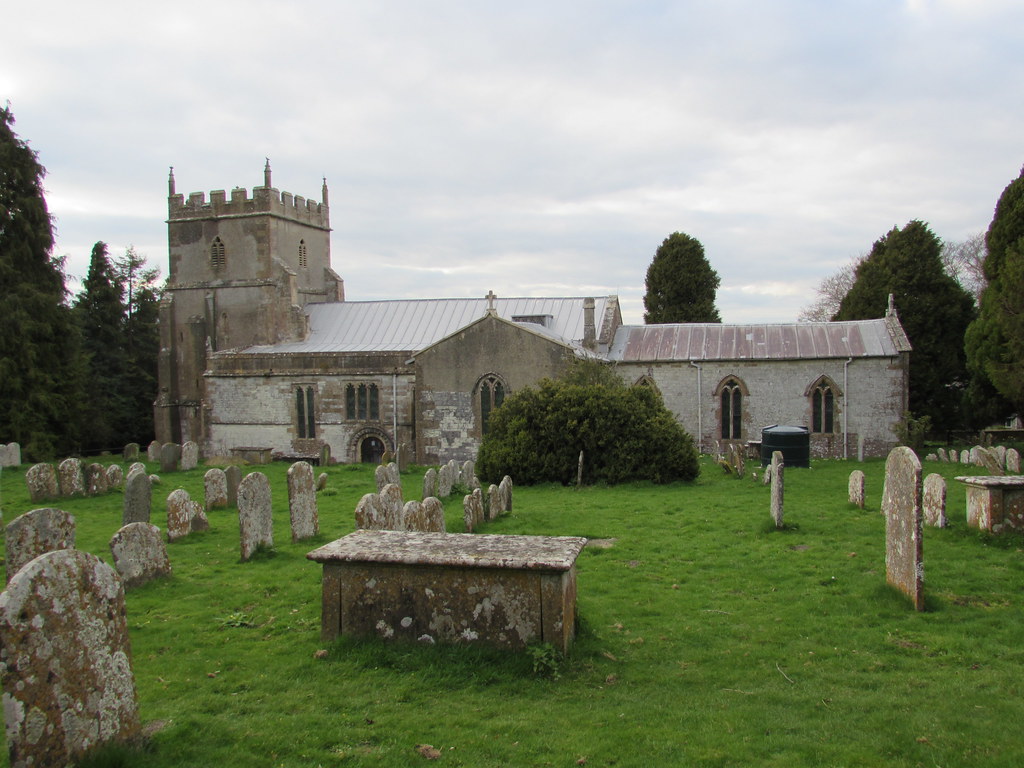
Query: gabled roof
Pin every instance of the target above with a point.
(792, 341)
(410, 325)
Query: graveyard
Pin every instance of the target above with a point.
(711, 631)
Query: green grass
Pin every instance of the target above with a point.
(707, 638)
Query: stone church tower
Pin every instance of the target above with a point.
(241, 271)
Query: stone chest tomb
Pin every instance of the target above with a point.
(506, 591)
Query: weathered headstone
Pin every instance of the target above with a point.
(180, 511)
(321, 481)
(505, 491)
(33, 533)
(41, 481)
(369, 513)
(856, 488)
(131, 452)
(433, 514)
(138, 498)
(255, 522)
(233, 474)
(1012, 461)
(153, 451)
(64, 647)
(931, 457)
(393, 475)
(215, 489)
(140, 554)
(325, 455)
(380, 477)
(766, 477)
(10, 455)
(934, 500)
(965, 456)
(95, 480)
(472, 511)
(170, 457)
(942, 454)
(71, 477)
(901, 504)
(138, 466)
(189, 455)
(115, 476)
(430, 483)
(420, 516)
(392, 503)
(976, 452)
(990, 461)
(778, 487)
(1000, 453)
(467, 472)
(493, 505)
(302, 507)
(444, 482)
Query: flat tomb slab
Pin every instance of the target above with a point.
(506, 591)
(995, 502)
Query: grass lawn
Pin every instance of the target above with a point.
(706, 638)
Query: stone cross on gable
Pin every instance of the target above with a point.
(490, 300)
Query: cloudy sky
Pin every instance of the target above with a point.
(532, 148)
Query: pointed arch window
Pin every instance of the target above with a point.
(823, 406)
(492, 394)
(305, 413)
(731, 394)
(303, 258)
(217, 257)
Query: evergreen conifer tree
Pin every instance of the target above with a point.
(681, 285)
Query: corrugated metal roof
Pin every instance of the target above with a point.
(409, 325)
(714, 341)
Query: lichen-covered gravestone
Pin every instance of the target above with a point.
(255, 523)
(934, 500)
(71, 477)
(170, 457)
(505, 490)
(965, 456)
(942, 455)
(10, 455)
(472, 511)
(433, 515)
(1012, 461)
(901, 505)
(856, 488)
(68, 683)
(778, 487)
(41, 481)
(370, 515)
(131, 452)
(138, 498)
(444, 482)
(392, 504)
(467, 472)
(33, 533)
(153, 451)
(140, 554)
(393, 475)
(234, 477)
(321, 481)
(494, 505)
(184, 516)
(380, 476)
(215, 488)
(189, 455)
(302, 508)
(96, 480)
(430, 483)
(115, 476)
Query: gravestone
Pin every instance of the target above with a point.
(33, 533)
(10, 455)
(137, 466)
(1012, 461)
(189, 456)
(901, 504)
(68, 683)
(392, 504)
(71, 477)
(493, 505)
(138, 499)
(778, 487)
(131, 452)
(472, 511)
(302, 506)
(255, 522)
(170, 457)
(153, 451)
(369, 513)
(505, 492)
(140, 554)
(990, 461)
(41, 481)
(934, 500)
(467, 472)
(380, 476)
(215, 489)
(321, 481)
(430, 483)
(325, 455)
(180, 511)
(976, 452)
(1000, 454)
(433, 515)
(856, 488)
(393, 475)
(965, 456)
(942, 454)
(766, 475)
(95, 480)
(931, 457)
(444, 482)
(115, 476)
(234, 477)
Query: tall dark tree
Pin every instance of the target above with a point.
(995, 341)
(681, 285)
(100, 313)
(141, 341)
(933, 309)
(37, 344)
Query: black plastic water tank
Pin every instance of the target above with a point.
(794, 442)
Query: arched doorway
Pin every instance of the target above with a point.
(371, 449)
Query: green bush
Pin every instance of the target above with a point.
(625, 433)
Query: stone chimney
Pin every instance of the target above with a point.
(589, 331)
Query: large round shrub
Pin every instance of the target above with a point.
(625, 433)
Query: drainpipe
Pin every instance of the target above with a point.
(700, 431)
(394, 417)
(846, 408)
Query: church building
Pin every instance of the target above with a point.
(260, 349)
